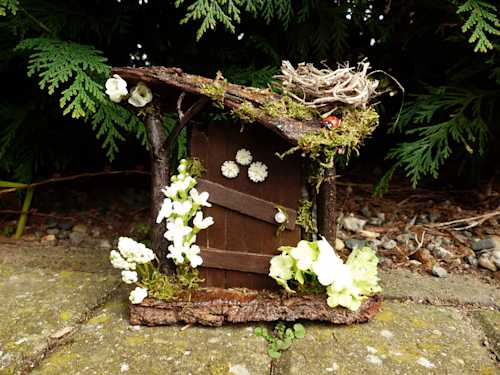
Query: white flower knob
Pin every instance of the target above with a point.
(280, 217)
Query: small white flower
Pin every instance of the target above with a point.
(138, 295)
(118, 262)
(116, 88)
(304, 254)
(129, 277)
(175, 253)
(329, 267)
(192, 254)
(257, 172)
(244, 157)
(200, 198)
(176, 231)
(165, 211)
(140, 95)
(202, 223)
(281, 267)
(280, 217)
(182, 208)
(230, 169)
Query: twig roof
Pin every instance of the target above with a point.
(234, 95)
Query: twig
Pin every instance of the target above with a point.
(179, 105)
(471, 221)
(69, 178)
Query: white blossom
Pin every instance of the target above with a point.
(118, 262)
(165, 211)
(244, 157)
(176, 253)
(138, 295)
(202, 223)
(182, 208)
(328, 266)
(230, 169)
(200, 199)
(192, 254)
(116, 88)
(257, 172)
(140, 95)
(129, 277)
(304, 254)
(176, 231)
(281, 267)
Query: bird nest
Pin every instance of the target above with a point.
(327, 90)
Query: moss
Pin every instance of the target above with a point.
(245, 112)
(287, 107)
(194, 167)
(305, 217)
(215, 92)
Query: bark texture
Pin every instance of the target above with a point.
(160, 172)
(327, 224)
(215, 306)
(234, 95)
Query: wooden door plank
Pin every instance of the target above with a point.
(244, 203)
(235, 260)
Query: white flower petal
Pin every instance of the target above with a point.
(244, 157)
(257, 172)
(230, 169)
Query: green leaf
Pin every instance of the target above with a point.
(299, 330)
(8, 6)
(274, 354)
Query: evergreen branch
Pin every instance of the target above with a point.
(8, 6)
(483, 21)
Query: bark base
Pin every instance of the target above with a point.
(216, 306)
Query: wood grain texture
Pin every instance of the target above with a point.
(235, 260)
(216, 306)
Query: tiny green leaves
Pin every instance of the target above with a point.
(281, 338)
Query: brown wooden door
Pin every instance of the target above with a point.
(236, 250)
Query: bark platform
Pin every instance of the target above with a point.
(215, 306)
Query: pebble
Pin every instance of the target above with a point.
(487, 263)
(441, 253)
(389, 245)
(339, 244)
(77, 238)
(53, 231)
(352, 223)
(80, 228)
(472, 260)
(63, 235)
(369, 234)
(353, 243)
(439, 271)
(66, 225)
(366, 211)
(51, 223)
(492, 242)
(49, 239)
(105, 244)
(403, 238)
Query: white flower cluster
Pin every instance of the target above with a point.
(130, 254)
(347, 284)
(257, 172)
(182, 208)
(116, 88)
(230, 169)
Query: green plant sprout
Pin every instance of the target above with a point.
(281, 338)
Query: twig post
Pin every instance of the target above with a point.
(326, 207)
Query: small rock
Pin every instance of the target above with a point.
(492, 242)
(80, 228)
(441, 253)
(63, 235)
(239, 370)
(66, 225)
(339, 244)
(496, 262)
(49, 239)
(53, 231)
(495, 254)
(415, 263)
(76, 238)
(352, 223)
(389, 245)
(51, 223)
(369, 234)
(353, 243)
(424, 256)
(62, 332)
(385, 262)
(439, 271)
(105, 244)
(366, 211)
(472, 260)
(487, 263)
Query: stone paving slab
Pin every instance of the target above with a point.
(455, 289)
(37, 303)
(403, 339)
(490, 322)
(107, 344)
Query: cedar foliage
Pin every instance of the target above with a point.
(449, 112)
